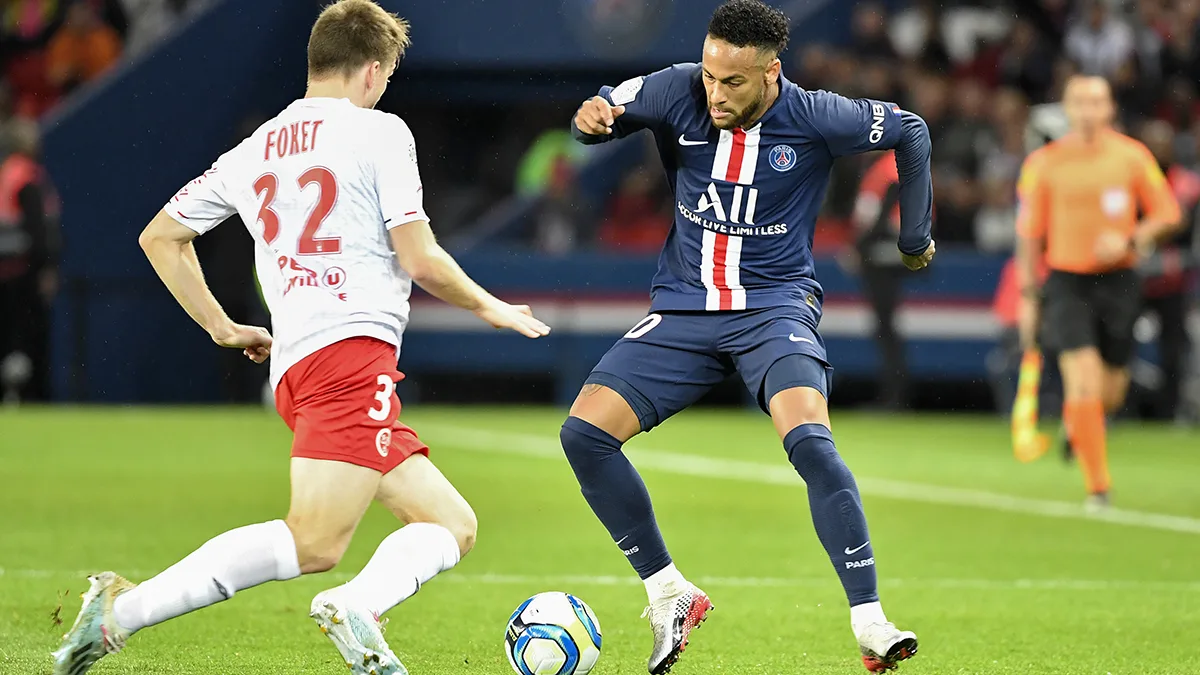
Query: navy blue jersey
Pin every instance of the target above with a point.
(746, 200)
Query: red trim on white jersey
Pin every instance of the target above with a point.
(721, 254)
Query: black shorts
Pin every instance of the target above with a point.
(1091, 310)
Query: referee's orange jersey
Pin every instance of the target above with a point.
(1071, 191)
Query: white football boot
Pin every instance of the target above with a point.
(884, 646)
(95, 633)
(358, 636)
(672, 618)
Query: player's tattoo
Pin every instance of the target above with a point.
(589, 389)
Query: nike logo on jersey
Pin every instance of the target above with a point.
(852, 551)
(794, 338)
(684, 141)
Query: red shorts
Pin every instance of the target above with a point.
(341, 404)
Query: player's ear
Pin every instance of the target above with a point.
(773, 70)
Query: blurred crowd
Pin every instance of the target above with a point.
(49, 49)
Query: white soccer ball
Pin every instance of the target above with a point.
(553, 634)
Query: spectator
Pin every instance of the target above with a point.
(1170, 272)
(25, 28)
(28, 263)
(82, 50)
(869, 39)
(638, 216)
(560, 220)
(1099, 43)
(1026, 62)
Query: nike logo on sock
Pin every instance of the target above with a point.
(852, 551)
(221, 589)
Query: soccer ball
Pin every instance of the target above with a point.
(553, 634)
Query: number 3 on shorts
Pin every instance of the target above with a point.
(384, 396)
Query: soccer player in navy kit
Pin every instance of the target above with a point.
(747, 154)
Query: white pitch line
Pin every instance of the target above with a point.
(572, 580)
(542, 447)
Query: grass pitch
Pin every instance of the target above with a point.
(991, 562)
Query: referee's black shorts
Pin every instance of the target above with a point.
(1091, 310)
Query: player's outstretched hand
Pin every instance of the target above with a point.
(918, 262)
(514, 317)
(254, 342)
(595, 117)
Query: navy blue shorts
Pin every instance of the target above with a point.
(669, 360)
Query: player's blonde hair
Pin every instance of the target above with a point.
(352, 33)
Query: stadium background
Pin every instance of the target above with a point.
(536, 217)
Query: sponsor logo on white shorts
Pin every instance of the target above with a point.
(383, 442)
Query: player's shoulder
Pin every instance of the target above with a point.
(668, 84)
(1130, 145)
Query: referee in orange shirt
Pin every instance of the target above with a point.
(1080, 200)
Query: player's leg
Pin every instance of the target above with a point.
(782, 360)
(660, 367)
(439, 530)
(1071, 329)
(328, 500)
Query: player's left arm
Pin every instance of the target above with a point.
(851, 126)
(1162, 217)
(167, 242)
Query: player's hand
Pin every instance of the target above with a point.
(254, 342)
(919, 262)
(1028, 311)
(595, 117)
(1111, 247)
(514, 317)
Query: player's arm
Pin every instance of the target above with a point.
(168, 245)
(434, 270)
(398, 182)
(851, 126)
(1162, 217)
(616, 112)
(1033, 218)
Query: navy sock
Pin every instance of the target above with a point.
(616, 493)
(837, 510)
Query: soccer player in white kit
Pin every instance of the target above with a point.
(330, 191)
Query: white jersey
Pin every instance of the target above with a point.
(318, 186)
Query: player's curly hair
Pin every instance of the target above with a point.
(745, 23)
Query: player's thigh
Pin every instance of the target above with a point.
(417, 492)
(1068, 320)
(328, 500)
(1115, 386)
(781, 358)
(661, 366)
(1117, 301)
(1082, 373)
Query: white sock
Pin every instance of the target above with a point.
(407, 558)
(224, 565)
(666, 581)
(866, 614)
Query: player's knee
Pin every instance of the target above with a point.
(464, 526)
(811, 451)
(582, 440)
(317, 551)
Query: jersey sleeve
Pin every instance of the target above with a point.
(1154, 193)
(205, 202)
(1033, 197)
(397, 178)
(647, 100)
(854, 125)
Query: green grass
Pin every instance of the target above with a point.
(988, 590)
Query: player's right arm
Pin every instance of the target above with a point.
(167, 241)
(616, 112)
(1033, 216)
(431, 267)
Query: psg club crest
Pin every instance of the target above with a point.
(782, 158)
